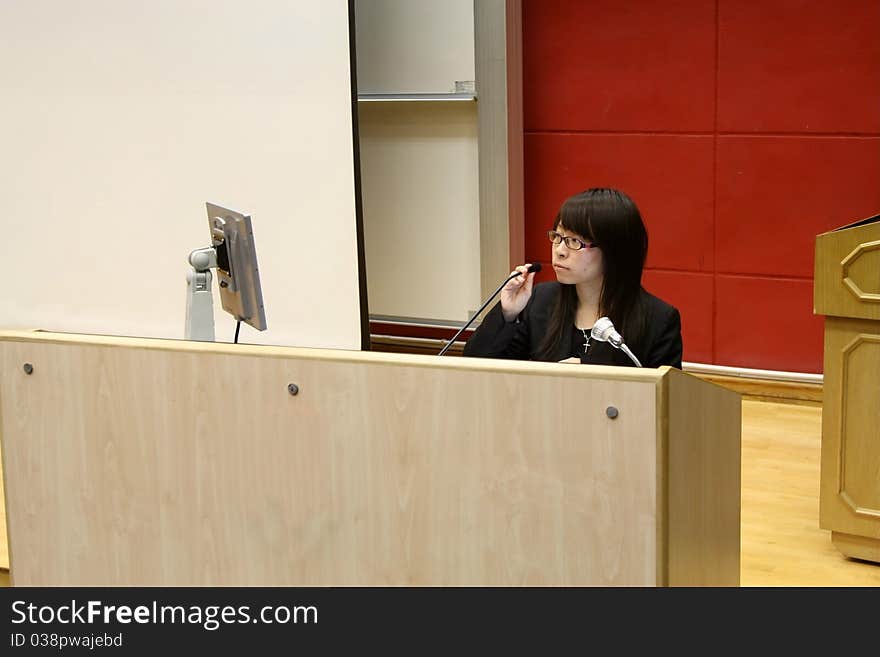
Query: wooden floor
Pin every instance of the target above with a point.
(782, 544)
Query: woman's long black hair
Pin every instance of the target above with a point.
(611, 219)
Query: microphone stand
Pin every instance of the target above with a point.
(476, 314)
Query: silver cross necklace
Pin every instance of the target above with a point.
(587, 337)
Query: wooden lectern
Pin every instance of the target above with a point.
(163, 462)
(847, 292)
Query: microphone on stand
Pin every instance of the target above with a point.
(534, 268)
(604, 331)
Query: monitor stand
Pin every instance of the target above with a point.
(199, 299)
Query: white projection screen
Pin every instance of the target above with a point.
(120, 119)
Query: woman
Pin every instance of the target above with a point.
(599, 249)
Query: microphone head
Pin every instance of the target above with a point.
(534, 268)
(604, 331)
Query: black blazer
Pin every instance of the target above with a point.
(520, 339)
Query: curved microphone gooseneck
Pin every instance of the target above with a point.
(604, 331)
(534, 268)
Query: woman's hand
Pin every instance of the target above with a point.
(516, 293)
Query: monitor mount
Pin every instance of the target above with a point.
(199, 299)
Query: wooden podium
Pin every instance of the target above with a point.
(163, 462)
(847, 292)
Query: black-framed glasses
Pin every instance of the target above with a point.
(572, 243)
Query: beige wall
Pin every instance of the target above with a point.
(120, 120)
(421, 204)
(419, 161)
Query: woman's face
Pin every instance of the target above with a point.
(573, 266)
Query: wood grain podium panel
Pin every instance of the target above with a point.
(850, 493)
(151, 462)
(847, 291)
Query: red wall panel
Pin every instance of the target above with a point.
(611, 65)
(799, 66)
(767, 324)
(741, 135)
(694, 296)
(668, 176)
(776, 194)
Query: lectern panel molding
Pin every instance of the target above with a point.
(853, 286)
(860, 341)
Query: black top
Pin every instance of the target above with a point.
(521, 338)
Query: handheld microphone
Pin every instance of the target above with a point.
(534, 268)
(604, 331)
